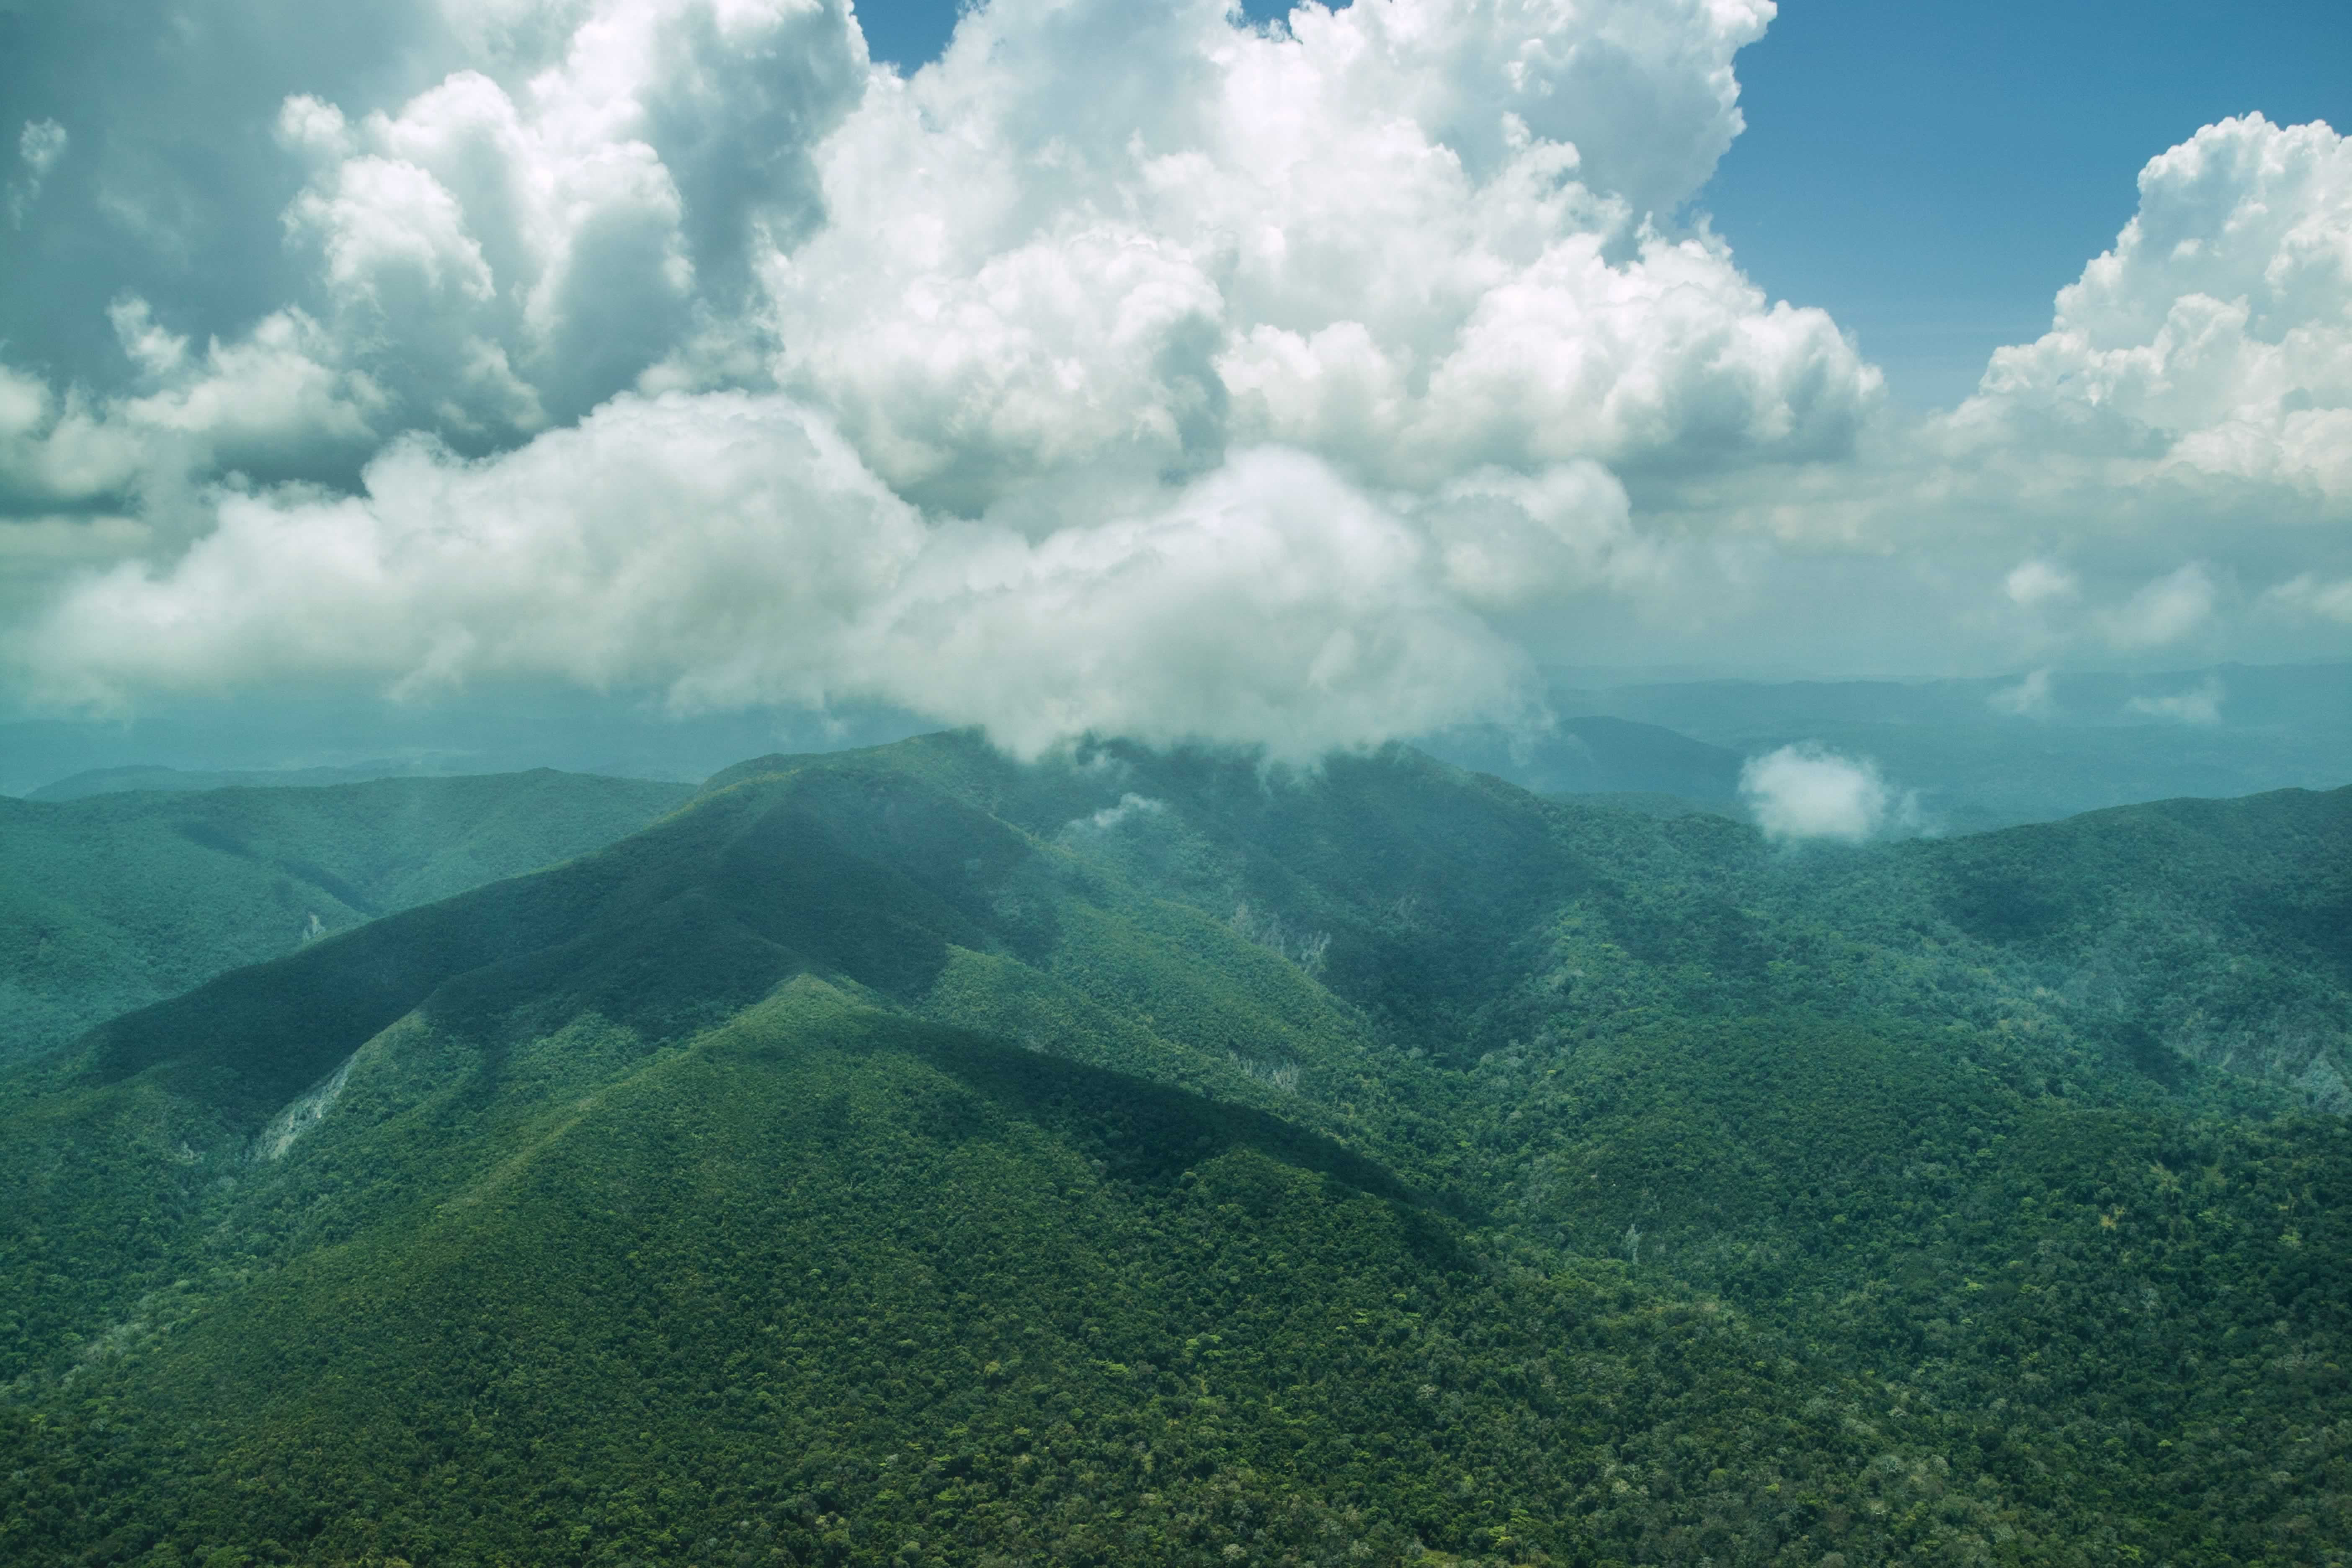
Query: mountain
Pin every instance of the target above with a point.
(914, 1156)
(123, 780)
(113, 900)
(336, 727)
(1986, 754)
(1602, 755)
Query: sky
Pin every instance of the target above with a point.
(1129, 367)
(1932, 174)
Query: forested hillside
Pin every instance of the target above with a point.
(110, 901)
(913, 1157)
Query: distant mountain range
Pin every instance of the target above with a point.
(114, 899)
(189, 780)
(1977, 754)
(912, 1156)
(2029, 748)
(1649, 765)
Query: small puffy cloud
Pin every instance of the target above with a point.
(41, 144)
(2031, 698)
(2163, 612)
(315, 128)
(59, 451)
(39, 147)
(2198, 704)
(274, 398)
(1810, 792)
(157, 351)
(2308, 596)
(1110, 817)
(2034, 583)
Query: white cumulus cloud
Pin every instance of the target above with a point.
(1094, 237)
(2198, 704)
(2031, 698)
(1133, 371)
(1810, 792)
(2214, 337)
(733, 549)
(1137, 369)
(2036, 582)
(2164, 611)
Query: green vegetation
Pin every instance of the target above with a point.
(914, 1157)
(111, 901)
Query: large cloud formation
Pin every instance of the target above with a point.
(1127, 368)
(2193, 395)
(2216, 337)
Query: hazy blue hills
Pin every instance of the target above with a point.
(1597, 754)
(1979, 754)
(913, 1157)
(115, 899)
(123, 780)
(1989, 753)
(335, 728)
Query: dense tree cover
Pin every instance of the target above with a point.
(111, 901)
(915, 1157)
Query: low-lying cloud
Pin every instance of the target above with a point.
(2031, 698)
(2199, 705)
(1807, 791)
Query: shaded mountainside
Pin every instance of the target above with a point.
(111, 901)
(2220, 931)
(914, 1156)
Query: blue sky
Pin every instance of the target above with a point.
(1933, 174)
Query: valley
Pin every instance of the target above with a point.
(913, 1156)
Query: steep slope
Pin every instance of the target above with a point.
(916, 1156)
(2219, 930)
(829, 1286)
(111, 901)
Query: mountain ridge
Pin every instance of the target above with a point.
(916, 1156)
(115, 901)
